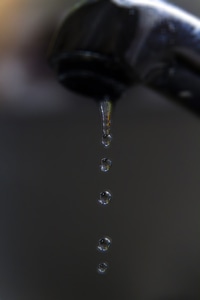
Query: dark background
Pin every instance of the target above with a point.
(50, 181)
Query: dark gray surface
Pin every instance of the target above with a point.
(50, 221)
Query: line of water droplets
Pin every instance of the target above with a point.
(105, 197)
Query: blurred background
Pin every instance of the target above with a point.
(50, 152)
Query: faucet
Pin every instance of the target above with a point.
(105, 46)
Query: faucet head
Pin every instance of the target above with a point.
(87, 50)
(105, 46)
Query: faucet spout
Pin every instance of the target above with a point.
(105, 46)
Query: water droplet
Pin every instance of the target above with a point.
(106, 164)
(106, 140)
(104, 244)
(106, 115)
(185, 94)
(105, 198)
(102, 268)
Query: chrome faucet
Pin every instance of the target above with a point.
(105, 46)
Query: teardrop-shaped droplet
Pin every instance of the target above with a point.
(106, 164)
(106, 140)
(106, 115)
(105, 198)
(104, 244)
(102, 268)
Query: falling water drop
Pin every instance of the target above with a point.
(105, 165)
(106, 140)
(102, 268)
(105, 198)
(106, 115)
(104, 244)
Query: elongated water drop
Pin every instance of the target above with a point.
(105, 198)
(104, 244)
(106, 115)
(105, 165)
(102, 268)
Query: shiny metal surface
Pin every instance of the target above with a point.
(116, 44)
